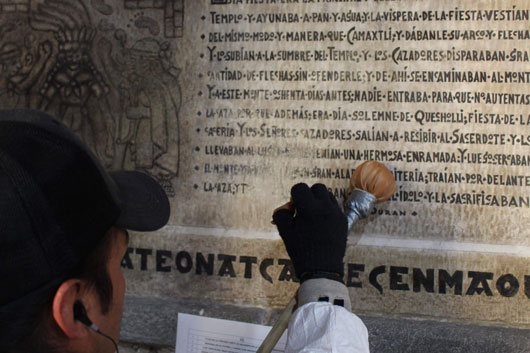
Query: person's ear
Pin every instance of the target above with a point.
(63, 309)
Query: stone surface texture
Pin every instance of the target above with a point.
(150, 324)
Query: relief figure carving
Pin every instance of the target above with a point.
(74, 88)
(148, 130)
(20, 68)
(119, 93)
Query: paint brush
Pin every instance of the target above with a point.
(371, 182)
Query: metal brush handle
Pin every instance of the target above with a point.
(359, 204)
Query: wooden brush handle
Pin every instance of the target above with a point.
(279, 327)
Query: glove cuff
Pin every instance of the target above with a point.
(324, 290)
(321, 274)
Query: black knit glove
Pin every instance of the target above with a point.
(314, 232)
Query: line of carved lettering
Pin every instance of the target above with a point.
(439, 281)
(461, 156)
(233, 169)
(250, 151)
(376, 277)
(456, 136)
(447, 177)
(400, 55)
(371, 95)
(234, 36)
(243, 54)
(455, 15)
(397, 55)
(472, 198)
(322, 173)
(419, 116)
(225, 187)
(205, 264)
(419, 35)
(449, 76)
(302, 113)
(419, 176)
(446, 117)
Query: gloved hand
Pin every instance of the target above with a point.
(314, 231)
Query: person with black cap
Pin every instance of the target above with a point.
(63, 234)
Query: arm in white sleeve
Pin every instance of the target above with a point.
(321, 327)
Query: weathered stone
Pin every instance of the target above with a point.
(153, 321)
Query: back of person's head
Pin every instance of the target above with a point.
(37, 332)
(58, 213)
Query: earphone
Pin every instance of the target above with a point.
(81, 316)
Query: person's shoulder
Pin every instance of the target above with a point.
(324, 327)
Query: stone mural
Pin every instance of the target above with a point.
(79, 61)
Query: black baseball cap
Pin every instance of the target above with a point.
(57, 202)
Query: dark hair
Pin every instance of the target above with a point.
(39, 333)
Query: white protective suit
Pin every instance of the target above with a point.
(321, 327)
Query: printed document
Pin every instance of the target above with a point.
(199, 334)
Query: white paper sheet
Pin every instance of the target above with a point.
(198, 334)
